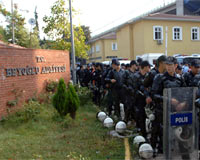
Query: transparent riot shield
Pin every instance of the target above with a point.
(180, 124)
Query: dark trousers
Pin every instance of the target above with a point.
(96, 96)
(140, 116)
(118, 97)
(129, 108)
(157, 130)
(109, 102)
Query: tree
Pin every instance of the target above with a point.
(34, 40)
(58, 29)
(22, 35)
(86, 31)
(3, 34)
(60, 98)
(66, 100)
(36, 23)
(73, 101)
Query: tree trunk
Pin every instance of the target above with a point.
(73, 115)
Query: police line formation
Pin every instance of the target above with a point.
(139, 87)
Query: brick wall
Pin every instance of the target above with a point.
(24, 72)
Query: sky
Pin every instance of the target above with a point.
(99, 15)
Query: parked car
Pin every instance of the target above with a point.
(187, 59)
(150, 57)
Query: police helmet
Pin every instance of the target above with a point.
(146, 151)
(108, 122)
(120, 127)
(138, 140)
(101, 116)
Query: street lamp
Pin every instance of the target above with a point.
(72, 46)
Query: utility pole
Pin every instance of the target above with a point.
(166, 36)
(13, 29)
(72, 46)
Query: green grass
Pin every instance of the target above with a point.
(54, 139)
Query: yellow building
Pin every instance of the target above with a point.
(154, 33)
(103, 47)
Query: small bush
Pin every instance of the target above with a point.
(60, 98)
(29, 111)
(12, 103)
(45, 98)
(84, 94)
(72, 101)
(51, 86)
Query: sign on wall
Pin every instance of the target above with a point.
(34, 70)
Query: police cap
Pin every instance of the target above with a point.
(161, 59)
(195, 63)
(133, 62)
(145, 64)
(171, 60)
(116, 62)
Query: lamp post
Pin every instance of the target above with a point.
(72, 46)
(13, 29)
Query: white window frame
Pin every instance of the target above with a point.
(114, 49)
(197, 33)
(154, 31)
(97, 48)
(173, 33)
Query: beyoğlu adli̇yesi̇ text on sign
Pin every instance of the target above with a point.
(12, 72)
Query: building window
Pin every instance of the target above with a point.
(97, 48)
(157, 32)
(92, 49)
(195, 33)
(177, 33)
(114, 46)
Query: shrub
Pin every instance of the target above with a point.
(51, 86)
(84, 94)
(29, 111)
(60, 98)
(72, 101)
(45, 98)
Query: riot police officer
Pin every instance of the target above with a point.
(189, 76)
(148, 81)
(87, 76)
(128, 80)
(140, 97)
(97, 83)
(116, 85)
(167, 80)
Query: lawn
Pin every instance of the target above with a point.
(46, 136)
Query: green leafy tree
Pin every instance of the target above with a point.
(46, 44)
(60, 98)
(86, 31)
(3, 34)
(72, 101)
(34, 41)
(22, 35)
(58, 29)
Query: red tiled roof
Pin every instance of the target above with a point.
(111, 35)
(9, 45)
